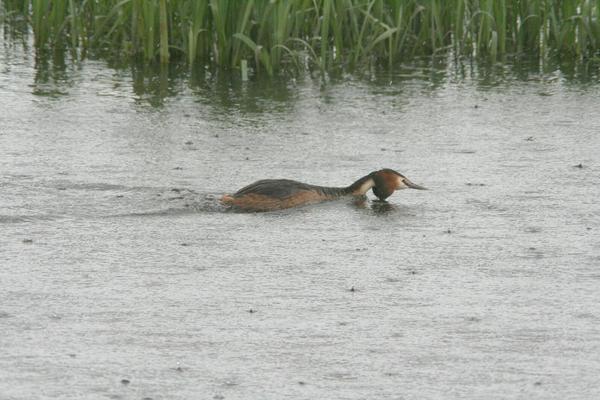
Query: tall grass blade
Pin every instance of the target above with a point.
(164, 33)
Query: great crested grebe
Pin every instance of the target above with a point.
(277, 194)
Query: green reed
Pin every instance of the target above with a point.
(273, 35)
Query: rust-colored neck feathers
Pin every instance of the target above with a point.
(383, 183)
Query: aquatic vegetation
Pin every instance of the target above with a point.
(274, 35)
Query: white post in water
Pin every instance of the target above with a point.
(244, 70)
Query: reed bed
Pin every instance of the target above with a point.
(275, 35)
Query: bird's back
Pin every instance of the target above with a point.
(275, 188)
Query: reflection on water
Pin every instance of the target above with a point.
(383, 207)
(153, 83)
(378, 207)
(122, 277)
(56, 72)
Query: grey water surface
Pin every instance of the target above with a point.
(122, 277)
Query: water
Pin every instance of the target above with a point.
(123, 278)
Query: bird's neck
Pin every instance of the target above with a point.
(361, 186)
(358, 188)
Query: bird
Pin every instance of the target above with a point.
(278, 194)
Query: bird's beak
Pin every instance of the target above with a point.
(413, 185)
